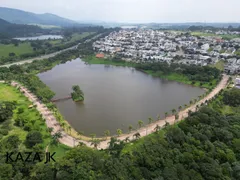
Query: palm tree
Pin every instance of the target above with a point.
(140, 123)
(80, 144)
(56, 137)
(185, 105)
(179, 108)
(92, 136)
(157, 128)
(176, 116)
(150, 120)
(189, 112)
(106, 133)
(173, 111)
(119, 132)
(50, 129)
(130, 128)
(197, 107)
(158, 117)
(137, 135)
(127, 139)
(166, 114)
(195, 100)
(95, 143)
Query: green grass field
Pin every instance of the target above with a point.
(9, 93)
(227, 36)
(77, 36)
(22, 48)
(219, 65)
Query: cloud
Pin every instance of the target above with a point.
(135, 10)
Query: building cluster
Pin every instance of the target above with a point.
(171, 47)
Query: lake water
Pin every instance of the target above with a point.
(115, 97)
(42, 37)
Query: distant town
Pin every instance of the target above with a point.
(142, 45)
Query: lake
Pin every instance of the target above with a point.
(42, 37)
(115, 97)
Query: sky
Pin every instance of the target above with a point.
(134, 11)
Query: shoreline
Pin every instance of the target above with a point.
(71, 141)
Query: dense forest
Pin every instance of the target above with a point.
(206, 145)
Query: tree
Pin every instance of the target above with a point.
(81, 144)
(127, 139)
(185, 105)
(150, 120)
(6, 110)
(158, 117)
(55, 138)
(33, 138)
(176, 116)
(11, 54)
(166, 114)
(173, 111)
(92, 136)
(119, 132)
(179, 108)
(130, 128)
(106, 133)
(140, 123)
(50, 129)
(95, 143)
(77, 94)
(137, 135)
(157, 128)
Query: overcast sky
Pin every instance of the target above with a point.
(135, 10)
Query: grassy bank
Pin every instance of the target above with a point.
(33, 119)
(172, 76)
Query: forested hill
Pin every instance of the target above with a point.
(23, 17)
(13, 30)
(3, 23)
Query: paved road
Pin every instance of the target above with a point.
(48, 55)
(71, 141)
(39, 58)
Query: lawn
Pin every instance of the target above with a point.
(219, 65)
(22, 48)
(32, 116)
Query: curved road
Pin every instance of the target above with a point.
(144, 131)
(39, 57)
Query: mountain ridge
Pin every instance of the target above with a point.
(23, 17)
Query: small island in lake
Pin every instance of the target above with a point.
(77, 94)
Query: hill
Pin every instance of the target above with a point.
(23, 17)
(8, 30)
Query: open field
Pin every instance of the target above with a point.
(219, 65)
(22, 48)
